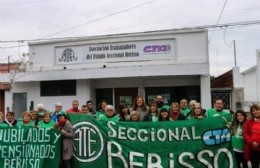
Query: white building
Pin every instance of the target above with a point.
(251, 84)
(174, 63)
(238, 90)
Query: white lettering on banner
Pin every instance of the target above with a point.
(133, 134)
(184, 154)
(128, 134)
(133, 163)
(57, 136)
(118, 154)
(154, 160)
(171, 161)
(28, 151)
(204, 161)
(158, 162)
(17, 135)
(85, 140)
(229, 156)
(21, 163)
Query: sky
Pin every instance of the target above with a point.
(22, 20)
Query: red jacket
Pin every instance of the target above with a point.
(247, 134)
(71, 110)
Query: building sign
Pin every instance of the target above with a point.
(193, 143)
(116, 52)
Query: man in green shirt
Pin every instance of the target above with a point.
(184, 107)
(217, 110)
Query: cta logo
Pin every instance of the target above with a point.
(89, 143)
(216, 137)
(156, 48)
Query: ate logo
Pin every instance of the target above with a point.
(88, 142)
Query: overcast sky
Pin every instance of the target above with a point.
(34, 19)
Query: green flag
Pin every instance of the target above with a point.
(173, 144)
(29, 147)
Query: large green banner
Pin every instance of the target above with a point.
(202, 143)
(29, 147)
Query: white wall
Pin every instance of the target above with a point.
(250, 86)
(205, 91)
(191, 47)
(190, 64)
(33, 94)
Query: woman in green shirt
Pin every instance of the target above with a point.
(238, 142)
(26, 120)
(46, 122)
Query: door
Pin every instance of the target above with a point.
(125, 96)
(104, 94)
(20, 104)
(2, 101)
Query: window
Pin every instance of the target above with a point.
(58, 88)
(172, 94)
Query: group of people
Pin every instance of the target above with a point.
(245, 128)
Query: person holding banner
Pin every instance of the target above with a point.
(26, 120)
(184, 107)
(196, 112)
(139, 106)
(9, 119)
(152, 114)
(217, 110)
(110, 115)
(66, 129)
(47, 122)
(164, 115)
(238, 142)
(251, 135)
(175, 112)
(101, 108)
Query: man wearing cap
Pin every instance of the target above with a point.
(58, 109)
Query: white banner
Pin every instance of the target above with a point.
(116, 52)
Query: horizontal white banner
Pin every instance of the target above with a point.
(116, 52)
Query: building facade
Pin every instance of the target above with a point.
(251, 84)
(173, 63)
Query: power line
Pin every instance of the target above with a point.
(101, 18)
(222, 10)
(220, 26)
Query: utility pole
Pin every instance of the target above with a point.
(235, 54)
(8, 64)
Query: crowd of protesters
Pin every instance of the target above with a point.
(245, 128)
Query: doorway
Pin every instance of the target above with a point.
(19, 103)
(125, 96)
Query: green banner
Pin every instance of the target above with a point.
(29, 147)
(195, 143)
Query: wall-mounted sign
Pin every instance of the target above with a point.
(116, 52)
